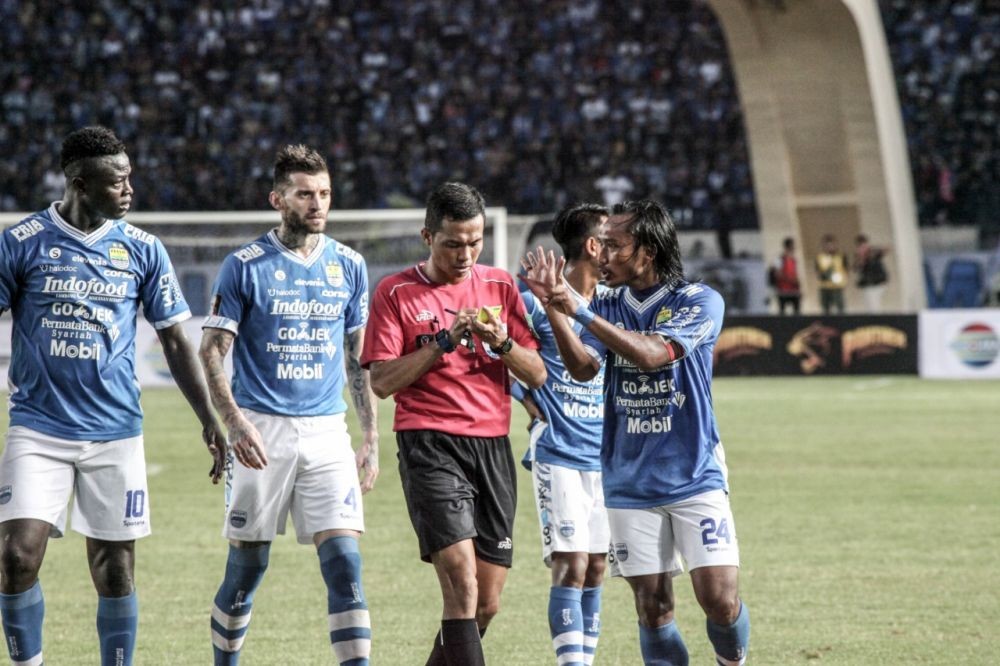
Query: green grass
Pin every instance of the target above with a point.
(868, 511)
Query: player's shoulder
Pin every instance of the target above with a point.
(252, 252)
(136, 235)
(606, 294)
(699, 295)
(28, 228)
(494, 275)
(343, 252)
(407, 277)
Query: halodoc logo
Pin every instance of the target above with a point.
(976, 345)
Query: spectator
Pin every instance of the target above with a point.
(784, 277)
(871, 273)
(831, 269)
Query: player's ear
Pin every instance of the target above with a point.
(426, 234)
(592, 246)
(275, 200)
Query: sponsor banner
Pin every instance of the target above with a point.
(960, 344)
(816, 345)
(150, 364)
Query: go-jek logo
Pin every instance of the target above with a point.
(976, 345)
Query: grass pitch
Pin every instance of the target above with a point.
(868, 512)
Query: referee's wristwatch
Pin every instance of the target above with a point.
(443, 340)
(504, 347)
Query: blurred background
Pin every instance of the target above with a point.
(754, 121)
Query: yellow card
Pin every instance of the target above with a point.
(484, 311)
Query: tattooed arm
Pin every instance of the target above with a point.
(359, 384)
(245, 440)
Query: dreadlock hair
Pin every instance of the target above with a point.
(652, 228)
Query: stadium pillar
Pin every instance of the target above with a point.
(827, 145)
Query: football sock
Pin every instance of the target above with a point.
(350, 626)
(22, 624)
(117, 622)
(663, 645)
(566, 625)
(731, 642)
(591, 606)
(461, 643)
(233, 602)
(437, 653)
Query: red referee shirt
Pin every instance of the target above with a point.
(466, 392)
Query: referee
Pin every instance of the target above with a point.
(441, 338)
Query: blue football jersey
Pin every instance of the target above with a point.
(660, 432)
(573, 410)
(74, 297)
(289, 314)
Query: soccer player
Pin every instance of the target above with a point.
(443, 336)
(565, 453)
(664, 469)
(296, 302)
(73, 277)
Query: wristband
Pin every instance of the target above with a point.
(584, 314)
(504, 347)
(443, 340)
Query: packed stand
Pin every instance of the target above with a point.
(625, 99)
(947, 61)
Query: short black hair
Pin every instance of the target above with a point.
(455, 201)
(574, 224)
(297, 158)
(92, 141)
(651, 226)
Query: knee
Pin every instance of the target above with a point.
(723, 608)
(569, 569)
(654, 607)
(486, 610)
(112, 572)
(19, 564)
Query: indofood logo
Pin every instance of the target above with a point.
(976, 345)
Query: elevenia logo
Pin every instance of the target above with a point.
(118, 256)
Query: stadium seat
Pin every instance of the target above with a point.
(963, 284)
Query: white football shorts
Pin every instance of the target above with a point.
(699, 529)
(310, 473)
(571, 511)
(39, 473)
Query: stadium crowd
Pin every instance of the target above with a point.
(947, 62)
(624, 100)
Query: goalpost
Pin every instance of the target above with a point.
(389, 240)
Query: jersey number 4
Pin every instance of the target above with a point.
(711, 533)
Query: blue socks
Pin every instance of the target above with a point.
(591, 606)
(22, 623)
(566, 625)
(231, 612)
(731, 642)
(350, 626)
(662, 646)
(117, 622)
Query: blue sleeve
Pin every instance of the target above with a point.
(589, 340)
(698, 321)
(228, 304)
(8, 274)
(163, 303)
(357, 313)
(534, 313)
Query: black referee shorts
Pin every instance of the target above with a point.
(459, 488)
